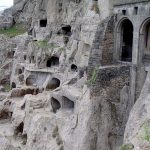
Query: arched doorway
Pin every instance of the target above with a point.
(124, 40)
(145, 40)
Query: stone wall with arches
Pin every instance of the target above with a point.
(138, 14)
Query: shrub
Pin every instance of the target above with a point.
(7, 87)
(92, 80)
(146, 132)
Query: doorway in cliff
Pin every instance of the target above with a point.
(126, 40)
(43, 23)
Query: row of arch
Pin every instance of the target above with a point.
(124, 39)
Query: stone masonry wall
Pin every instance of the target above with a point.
(112, 96)
(108, 43)
(102, 47)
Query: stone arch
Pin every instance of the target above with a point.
(124, 40)
(144, 40)
(53, 84)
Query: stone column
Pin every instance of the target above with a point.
(135, 54)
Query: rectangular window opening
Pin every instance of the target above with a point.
(124, 12)
(135, 10)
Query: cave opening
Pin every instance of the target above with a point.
(30, 80)
(13, 85)
(53, 84)
(53, 61)
(55, 105)
(19, 71)
(74, 68)
(43, 23)
(66, 30)
(19, 129)
(67, 103)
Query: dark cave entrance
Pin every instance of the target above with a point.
(66, 30)
(53, 84)
(147, 38)
(55, 104)
(43, 23)
(67, 103)
(31, 80)
(53, 61)
(127, 40)
(74, 68)
(13, 85)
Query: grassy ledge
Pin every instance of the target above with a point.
(15, 30)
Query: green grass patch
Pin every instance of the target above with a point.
(127, 147)
(146, 132)
(92, 80)
(13, 31)
(7, 87)
(45, 45)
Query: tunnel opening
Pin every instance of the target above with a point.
(127, 39)
(43, 23)
(53, 61)
(74, 68)
(55, 105)
(67, 103)
(53, 84)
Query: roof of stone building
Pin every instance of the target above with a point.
(121, 2)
